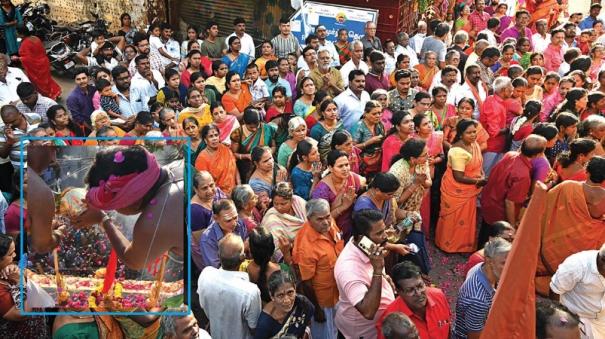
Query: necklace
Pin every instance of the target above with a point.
(592, 185)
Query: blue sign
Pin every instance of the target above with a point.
(333, 17)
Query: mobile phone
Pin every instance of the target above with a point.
(366, 245)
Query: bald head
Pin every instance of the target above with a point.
(398, 325)
(231, 251)
(533, 145)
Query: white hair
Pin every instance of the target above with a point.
(460, 37)
(355, 43)
(295, 123)
(317, 205)
(501, 83)
(497, 247)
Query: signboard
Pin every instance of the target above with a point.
(333, 17)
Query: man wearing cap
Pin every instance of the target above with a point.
(326, 44)
(239, 27)
(587, 23)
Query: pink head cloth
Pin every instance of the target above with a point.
(122, 191)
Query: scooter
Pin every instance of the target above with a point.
(61, 57)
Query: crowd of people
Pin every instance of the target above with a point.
(328, 174)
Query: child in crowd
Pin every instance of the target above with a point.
(110, 102)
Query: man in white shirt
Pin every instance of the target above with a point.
(10, 78)
(352, 101)
(168, 48)
(418, 39)
(390, 56)
(145, 83)
(541, 38)
(492, 26)
(326, 44)
(104, 58)
(32, 102)
(580, 283)
(472, 88)
(403, 47)
(231, 302)
(356, 62)
(239, 27)
(449, 77)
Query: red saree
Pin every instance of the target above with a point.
(457, 223)
(37, 67)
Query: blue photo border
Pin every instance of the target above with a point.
(23, 263)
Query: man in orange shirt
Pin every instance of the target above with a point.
(427, 307)
(316, 248)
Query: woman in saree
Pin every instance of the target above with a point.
(196, 108)
(440, 109)
(288, 314)
(463, 11)
(571, 165)
(10, 18)
(236, 61)
(205, 193)
(340, 188)
(579, 227)
(191, 128)
(303, 107)
(251, 134)
(505, 20)
(343, 141)
(465, 109)
(245, 201)
(100, 119)
(460, 186)
(427, 70)
(402, 131)
(434, 143)
(217, 159)
(211, 94)
(226, 123)
(287, 215)
(368, 135)
(36, 65)
(305, 169)
(379, 196)
(237, 96)
(328, 121)
(411, 167)
(297, 131)
(267, 173)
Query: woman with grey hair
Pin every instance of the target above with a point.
(245, 201)
(297, 132)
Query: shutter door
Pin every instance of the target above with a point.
(199, 12)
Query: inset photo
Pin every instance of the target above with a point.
(103, 228)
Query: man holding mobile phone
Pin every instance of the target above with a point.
(365, 290)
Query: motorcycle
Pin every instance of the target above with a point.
(61, 56)
(35, 18)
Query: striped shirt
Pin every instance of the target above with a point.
(474, 301)
(33, 120)
(284, 46)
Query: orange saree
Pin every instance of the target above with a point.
(457, 223)
(426, 75)
(543, 9)
(221, 165)
(567, 228)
